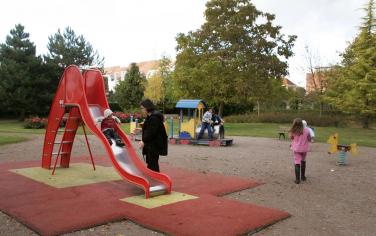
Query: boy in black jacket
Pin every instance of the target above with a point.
(154, 136)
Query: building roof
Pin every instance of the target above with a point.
(189, 103)
(144, 66)
(287, 82)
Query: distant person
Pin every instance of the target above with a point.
(108, 124)
(300, 139)
(311, 132)
(218, 121)
(154, 136)
(206, 124)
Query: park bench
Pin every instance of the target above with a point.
(283, 132)
(169, 116)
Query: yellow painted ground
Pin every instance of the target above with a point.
(158, 200)
(76, 175)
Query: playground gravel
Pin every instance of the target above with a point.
(335, 200)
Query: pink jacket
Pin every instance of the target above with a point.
(300, 143)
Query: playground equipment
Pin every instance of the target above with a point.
(82, 97)
(342, 148)
(189, 125)
(134, 129)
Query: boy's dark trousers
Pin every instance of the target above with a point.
(111, 134)
(152, 161)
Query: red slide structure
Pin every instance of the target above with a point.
(81, 99)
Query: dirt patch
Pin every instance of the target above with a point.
(335, 200)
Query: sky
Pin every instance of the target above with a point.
(125, 31)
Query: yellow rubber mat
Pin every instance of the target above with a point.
(158, 201)
(77, 174)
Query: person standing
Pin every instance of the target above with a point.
(154, 136)
(206, 124)
(218, 121)
(300, 138)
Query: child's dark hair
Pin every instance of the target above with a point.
(297, 127)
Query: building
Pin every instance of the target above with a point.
(114, 74)
(289, 85)
(315, 81)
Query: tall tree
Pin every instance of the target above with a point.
(165, 69)
(316, 82)
(154, 89)
(24, 82)
(352, 85)
(130, 91)
(68, 48)
(233, 57)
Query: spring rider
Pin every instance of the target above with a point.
(342, 149)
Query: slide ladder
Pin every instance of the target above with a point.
(80, 99)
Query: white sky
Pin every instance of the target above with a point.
(125, 31)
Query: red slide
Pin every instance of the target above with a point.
(82, 97)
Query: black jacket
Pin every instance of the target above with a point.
(154, 135)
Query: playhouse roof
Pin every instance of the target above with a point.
(189, 103)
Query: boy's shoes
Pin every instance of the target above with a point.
(304, 178)
(297, 181)
(119, 143)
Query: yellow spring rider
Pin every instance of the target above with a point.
(342, 148)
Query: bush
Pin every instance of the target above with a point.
(126, 118)
(35, 123)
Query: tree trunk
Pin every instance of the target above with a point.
(321, 108)
(365, 122)
(21, 116)
(258, 108)
(221, 106)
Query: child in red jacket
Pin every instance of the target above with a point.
(108, 124)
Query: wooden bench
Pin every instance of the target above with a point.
(174, 116)
(283, 132)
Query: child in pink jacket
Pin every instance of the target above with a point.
(300, 138)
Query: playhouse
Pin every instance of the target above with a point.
(189, 125)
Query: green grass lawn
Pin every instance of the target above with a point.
(7, 139)
(13, 126)
(363, 137)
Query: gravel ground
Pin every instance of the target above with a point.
(335, 200)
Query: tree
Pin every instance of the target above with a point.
(154, 89)
(352, 84)
(67, 48)
(165, 68)
(24, 83)
(233, 57)
(316, 82)
(130, 91)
